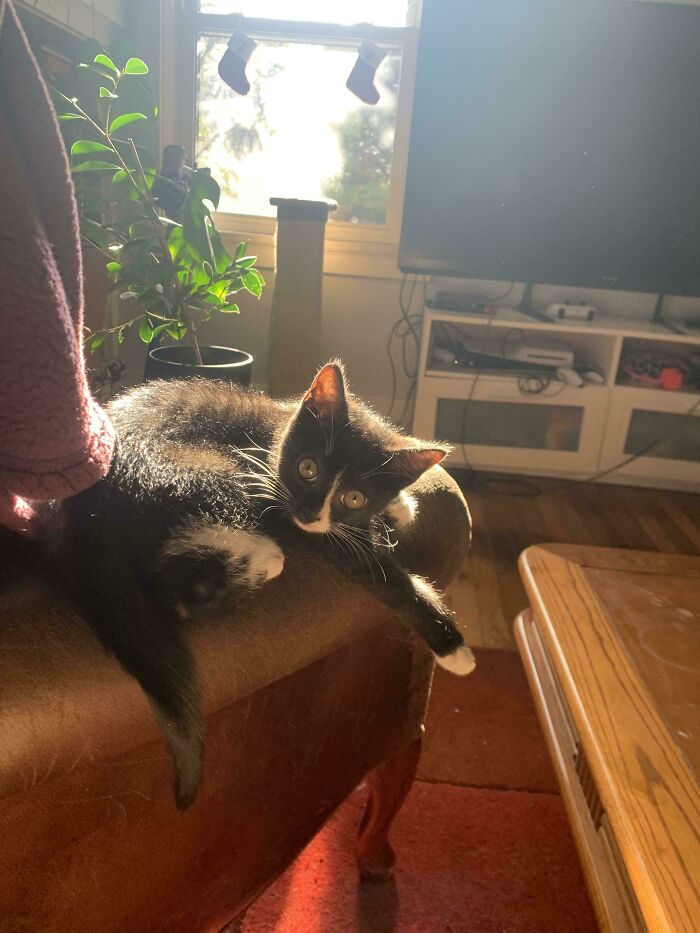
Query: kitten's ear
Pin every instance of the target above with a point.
(326, 395)
(412, 462)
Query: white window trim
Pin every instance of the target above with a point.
(366, 250)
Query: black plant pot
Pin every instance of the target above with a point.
(177, 362)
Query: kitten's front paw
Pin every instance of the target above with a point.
(402, 510)
(461, 661)
(266, 562)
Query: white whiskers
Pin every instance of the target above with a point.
(263, 483)
(360, 542)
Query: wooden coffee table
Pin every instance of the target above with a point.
(612, 652)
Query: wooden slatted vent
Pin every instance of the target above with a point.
(590, 792)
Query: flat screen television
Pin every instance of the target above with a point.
(557, 141)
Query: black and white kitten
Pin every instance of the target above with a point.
(204, 476)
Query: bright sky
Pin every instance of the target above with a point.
(302, 103)
(344, 12)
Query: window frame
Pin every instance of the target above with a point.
(348, 243)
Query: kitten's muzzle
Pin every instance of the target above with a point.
(307, 516)
(310, 522)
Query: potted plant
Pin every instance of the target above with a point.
(172, 274)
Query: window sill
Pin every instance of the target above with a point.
(359, 251)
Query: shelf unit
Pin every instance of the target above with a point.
(495, 425)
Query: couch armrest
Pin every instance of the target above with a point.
(437, 542)
(311, 684)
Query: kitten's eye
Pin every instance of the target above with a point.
(354, 499)
(308, 469)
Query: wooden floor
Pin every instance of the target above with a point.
(488, 593)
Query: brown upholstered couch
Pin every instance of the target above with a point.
(307, 689)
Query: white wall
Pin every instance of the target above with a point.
(101, 19)
(357, 316)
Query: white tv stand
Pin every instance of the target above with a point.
(562, 431)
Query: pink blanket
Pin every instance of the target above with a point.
(54, 438)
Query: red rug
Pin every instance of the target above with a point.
(468, 861)
(482, 730)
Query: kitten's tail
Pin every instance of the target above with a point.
(148, 646)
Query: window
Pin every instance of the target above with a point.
(342, 12)
(299, 132)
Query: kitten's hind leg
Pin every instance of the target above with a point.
(148, 645)
(202, 562)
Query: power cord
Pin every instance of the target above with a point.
(528, 384)
(407, 329)
(409, 326)
(623, 463)
(534, 384)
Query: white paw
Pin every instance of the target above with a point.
(402, 510)
(266, 562)
(461, 661)
(252, 559)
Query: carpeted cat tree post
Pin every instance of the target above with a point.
(295, 325)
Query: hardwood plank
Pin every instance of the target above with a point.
(489, 593)
(678, 516)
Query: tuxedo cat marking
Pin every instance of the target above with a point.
(205, 478)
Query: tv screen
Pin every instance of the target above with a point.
(557, 141)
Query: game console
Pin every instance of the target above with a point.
(545, 351)
(455, 301)
(570, 311)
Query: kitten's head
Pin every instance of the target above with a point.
(341, 463)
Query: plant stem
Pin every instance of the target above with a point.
(98, 248)
(187, 319)
(151, 203)
(151, 314)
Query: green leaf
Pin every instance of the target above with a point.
(204, 188)
(175, 242)
(241, 248)
(124, 186)
(125, 119)
(83, 146)
(94, 166)
(105, 93)
(95, 341)
(223, 260)
(176, 331)
(106, 62)
(253, 282)
(229, 309)
(145, 330)
(208, 269)
(71, 116)
(220, 290)
(114, 267)
(103, 73)
(135, 66)
(246, 262)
